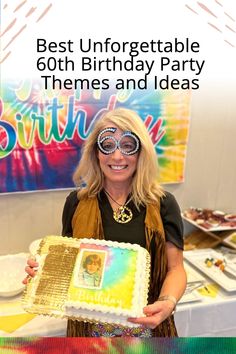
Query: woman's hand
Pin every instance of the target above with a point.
(30, 269)
(156, 313)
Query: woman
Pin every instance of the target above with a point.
(119, 199)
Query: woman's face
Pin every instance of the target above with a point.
(117, 167)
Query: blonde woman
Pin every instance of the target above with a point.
(119, 199)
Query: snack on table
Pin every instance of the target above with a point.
(220, 263)
(91, 280)
(209, 219)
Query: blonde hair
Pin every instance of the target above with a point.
(145, 187)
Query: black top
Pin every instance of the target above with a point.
(133, 231)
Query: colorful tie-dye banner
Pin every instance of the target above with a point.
(41, 131)
(118, 345)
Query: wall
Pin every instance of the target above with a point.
(209, 177)
(210, 173)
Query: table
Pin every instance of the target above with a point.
(211, 317)
(15, 322)
(213, 312)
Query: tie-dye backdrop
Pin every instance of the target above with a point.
(41, 132)
(126, 345)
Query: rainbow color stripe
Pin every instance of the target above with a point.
(126, 345)
(42, 131)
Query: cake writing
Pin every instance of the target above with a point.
(100, 299)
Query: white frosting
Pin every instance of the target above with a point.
(98, 316)
(115, 244)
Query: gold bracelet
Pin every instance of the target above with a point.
(170, 298)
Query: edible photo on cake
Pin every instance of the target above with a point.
(90, 269)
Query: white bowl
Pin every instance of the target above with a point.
(230, 217)
(12, 272)
(34, 246)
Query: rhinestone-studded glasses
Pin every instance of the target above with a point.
(128, 144)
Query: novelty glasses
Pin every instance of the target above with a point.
(128, 144)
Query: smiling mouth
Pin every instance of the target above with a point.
(118, 168)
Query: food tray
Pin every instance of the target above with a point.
(197, 259)
(210, 220)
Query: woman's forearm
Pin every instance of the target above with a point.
(174, 283)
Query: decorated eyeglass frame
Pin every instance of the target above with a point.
(108, 144)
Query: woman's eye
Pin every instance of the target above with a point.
(128, 146)
(108, 146)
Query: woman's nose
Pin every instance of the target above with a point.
(117, 154)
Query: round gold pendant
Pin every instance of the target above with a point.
(123, 215)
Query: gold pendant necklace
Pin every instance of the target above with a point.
(123, 214)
